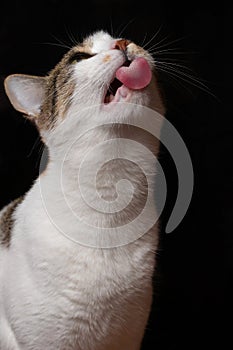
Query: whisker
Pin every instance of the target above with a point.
(153, 37)
(172, 59)
(143, 40)
(174, 64)
(187, 78)
(184, 73)
(127, 24)
(71, 36)
(55, 44)
(156, 46)
(159, 42)
(170, 76)
(172, 52)
(60, 41)
(169, 43)
(111, 27)
(36, 143)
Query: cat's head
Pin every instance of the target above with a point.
(84, 78)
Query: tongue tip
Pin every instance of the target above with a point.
(137, 76)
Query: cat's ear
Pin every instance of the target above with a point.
(26, 93)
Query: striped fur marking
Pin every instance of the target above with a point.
(7, 222)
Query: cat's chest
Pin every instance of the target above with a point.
(86, 269)
(75, 284)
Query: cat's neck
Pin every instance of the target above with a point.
(99, 183)
(100, 161)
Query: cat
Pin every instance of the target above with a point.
(59, 290)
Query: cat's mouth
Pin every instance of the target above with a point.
(114, 86)
(131, 76)
(112, 90)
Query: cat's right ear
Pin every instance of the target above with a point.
(26, 93)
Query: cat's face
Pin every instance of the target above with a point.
(85, 77)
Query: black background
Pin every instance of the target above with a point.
(189, 283)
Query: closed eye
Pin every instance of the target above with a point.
(78, 56)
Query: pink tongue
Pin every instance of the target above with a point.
(137, 75)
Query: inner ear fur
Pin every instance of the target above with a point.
(26, 93)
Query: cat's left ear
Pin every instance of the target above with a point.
(26, 93)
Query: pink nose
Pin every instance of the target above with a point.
(121, 44)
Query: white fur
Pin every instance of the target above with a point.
(57, 294)
(101, 41)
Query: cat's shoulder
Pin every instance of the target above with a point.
(7, 221)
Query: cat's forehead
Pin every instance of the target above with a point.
(97, 42)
